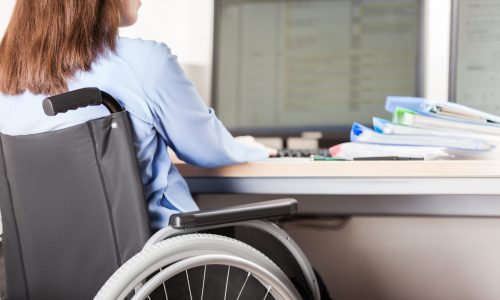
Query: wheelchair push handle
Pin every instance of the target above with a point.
(78, 99)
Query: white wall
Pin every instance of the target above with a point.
(185, 26)
(437, 48)
(6, 7)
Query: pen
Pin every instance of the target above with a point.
(325, 158)
(388, 158)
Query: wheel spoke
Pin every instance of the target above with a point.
(189, 286)
(227, 281)
(268, 291)
(244, 283)
(203, 284)
(164, 288)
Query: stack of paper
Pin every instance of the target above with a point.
(426, 129)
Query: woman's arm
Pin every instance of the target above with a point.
(185, 122)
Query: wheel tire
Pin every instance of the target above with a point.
(167, 252)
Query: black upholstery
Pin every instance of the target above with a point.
(72, 207)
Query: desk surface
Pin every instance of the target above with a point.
(373, 169)
(452, 188)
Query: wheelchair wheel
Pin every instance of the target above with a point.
(199, 266)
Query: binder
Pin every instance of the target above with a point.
(443, 110)
(387, 127)
(363, 134)
(403, 116)
(425, 128)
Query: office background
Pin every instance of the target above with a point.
(187, 25)
(371, 257)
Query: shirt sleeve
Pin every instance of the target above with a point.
(185, 122)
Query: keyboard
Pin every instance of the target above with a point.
(302, 152)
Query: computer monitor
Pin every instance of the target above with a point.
(284, 67)
(475, 54)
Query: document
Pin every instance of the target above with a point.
(387, 127)
(350, 151)
(360, 133)
(408, 117)
(445, 110)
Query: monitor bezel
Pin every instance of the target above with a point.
(333, 132)
(452, 82)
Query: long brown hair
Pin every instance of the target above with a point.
(48, 41)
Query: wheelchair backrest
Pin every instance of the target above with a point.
(73, 208)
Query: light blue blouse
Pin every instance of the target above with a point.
(165, 112)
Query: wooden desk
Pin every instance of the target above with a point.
(378, 248)
(451, 188)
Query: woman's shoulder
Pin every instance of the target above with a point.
(144, 58)
(142, 49)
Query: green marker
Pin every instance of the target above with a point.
(325, 158)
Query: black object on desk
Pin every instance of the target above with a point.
(302, 152)
(388, 158)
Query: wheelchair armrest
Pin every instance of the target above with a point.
(259, 210)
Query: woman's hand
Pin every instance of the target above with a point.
(251, 141)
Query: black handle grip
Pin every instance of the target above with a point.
(71, 100)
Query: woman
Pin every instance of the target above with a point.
(54, 46)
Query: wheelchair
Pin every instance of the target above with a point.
(76, 227)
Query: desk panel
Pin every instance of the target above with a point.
(437, 188)
(345, 186)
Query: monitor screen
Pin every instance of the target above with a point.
(291, 66)
(475, 65)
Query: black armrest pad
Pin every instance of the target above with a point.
(259, 210)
